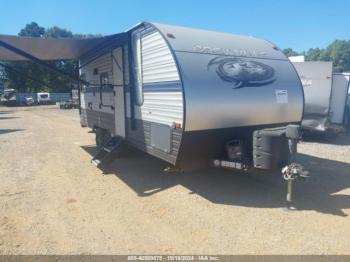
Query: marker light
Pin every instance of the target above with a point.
(170, 35)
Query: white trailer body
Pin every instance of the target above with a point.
(325, 96)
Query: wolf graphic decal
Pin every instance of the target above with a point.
(242, 72)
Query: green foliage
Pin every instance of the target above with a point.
(338, 52)
(313, 54)
(290, 52)
(23, 84)
(57, 32)
(32, 29)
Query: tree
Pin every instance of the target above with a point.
(57, 32)
(313, 54)
(32, 29)
(290, 52)
(339, 53)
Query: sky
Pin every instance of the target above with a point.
(287, 23)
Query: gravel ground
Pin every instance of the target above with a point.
(53, 201)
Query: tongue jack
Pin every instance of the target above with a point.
(290, 173)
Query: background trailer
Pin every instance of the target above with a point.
(325, 96)
(192, 98)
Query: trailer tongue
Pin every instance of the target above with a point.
(273, 149)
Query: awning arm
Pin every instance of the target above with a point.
(42, 63)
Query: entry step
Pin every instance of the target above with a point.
(111, 148)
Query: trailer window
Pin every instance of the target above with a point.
(44, 95)
(137, 62)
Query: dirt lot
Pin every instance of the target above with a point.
(53, 201)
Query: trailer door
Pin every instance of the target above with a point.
(340, 88)
(118, 82)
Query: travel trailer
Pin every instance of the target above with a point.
(190, 97)
(325, 97)
(43, 98)
(195, 98)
